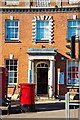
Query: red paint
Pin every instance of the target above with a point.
(3, 75)
(27, 91)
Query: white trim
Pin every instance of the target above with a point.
(10, 70)
(11, 32)
(50, 26)
(37, 57)
(26, 7)
(46, 62)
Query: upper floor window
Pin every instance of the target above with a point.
(73, 74)
(42, 3)
(42, 30)
(12, 67)
(73, 28)
(12, 2)
(74, 1)
(12, 29)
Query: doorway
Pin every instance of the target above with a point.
(42, 79)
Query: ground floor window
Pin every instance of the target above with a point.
(73, 74)
(12, 66)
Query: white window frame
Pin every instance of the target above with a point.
(51, 26)
(12, 2)
(12, 71)
(73, 1)
(77, 27)
(12, 39)
(44, 27)
(70, 72)
(42, 3)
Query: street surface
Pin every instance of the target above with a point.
(44, 109)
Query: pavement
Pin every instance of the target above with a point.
(44, 108)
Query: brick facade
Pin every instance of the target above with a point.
(19, 49)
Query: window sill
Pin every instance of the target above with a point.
(71, 86)
(12, 85)
(12, 41)
(43, 41)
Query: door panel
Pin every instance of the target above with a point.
(42, 80)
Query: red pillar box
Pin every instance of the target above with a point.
(27, 96)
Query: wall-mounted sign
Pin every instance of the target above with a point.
(60, 77)
(29, 76)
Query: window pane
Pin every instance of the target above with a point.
(73, 28)
(16, 23)
(12, 70)
(11, 74)
(7, 62)
(42, 30)
(73, 73)
(16, 36)
(15, 80)
(11, 62)
(11, 29)
(15, 62)
(15, 74)
(11, 80)
(11, 67)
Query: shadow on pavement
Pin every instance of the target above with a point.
(50, 106)
(38, 108)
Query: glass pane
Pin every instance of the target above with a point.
(15, 80)
(11, 67)
(38, 34)
(11, 62)
(16, 23)
(15, 68)
(11, 23)
(15, 62)
(41, 23)
(16, 36)
(16, 30)
(15, 74)
(46, 33)
(46, 23)
(7, 62)
(41, 33)
(38, 24)
(11, 74)
(73, 73)
(11, 80)
(7, 67)
(70, 23)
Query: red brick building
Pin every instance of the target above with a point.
(33, 41)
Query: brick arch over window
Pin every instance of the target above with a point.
(50, 27)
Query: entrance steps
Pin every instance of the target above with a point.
(43, 98)
(46, 98)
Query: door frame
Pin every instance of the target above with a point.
(45, 62)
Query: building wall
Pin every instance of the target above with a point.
(19, 49)
(27, 3)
